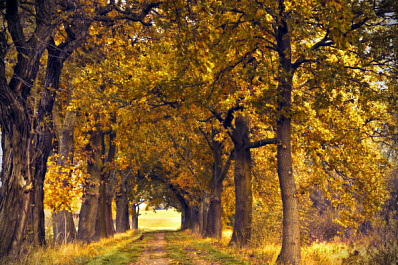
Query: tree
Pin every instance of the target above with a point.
(26, 133)
(26, 123)
(61, 187)
(286, 54)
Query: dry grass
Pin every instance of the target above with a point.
(71, 253)
(125, 246)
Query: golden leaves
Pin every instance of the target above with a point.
(63, 185)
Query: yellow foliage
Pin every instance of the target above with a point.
(62, 185)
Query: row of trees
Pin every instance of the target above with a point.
(166, 100)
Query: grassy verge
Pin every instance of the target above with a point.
(121, 249)
(186, 248)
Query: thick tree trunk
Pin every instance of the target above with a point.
(290, 252)
(88, 211)
(21, 210)
(122, 211)
(26, 139)
(214, 214)
(105, 222)
(186, 218)
(243, 183)
(101, 228)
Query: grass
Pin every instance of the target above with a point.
(186, 248)
(114, 250)
(169, 220)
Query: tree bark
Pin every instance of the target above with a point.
(64, 228)
(214, 224)
(26, 139)
(122, 210)
(290, 252)
(214, 214)
(204, 210)
(195, 219)
(109, 219)
(101, 230)
(135, 212)
(88, 211)
(243, 183)
(186, 218)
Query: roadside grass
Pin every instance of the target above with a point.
(101, 252)
(125, 251)
(183, 247)
(186, 248)
(120, 249)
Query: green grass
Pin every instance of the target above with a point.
(122, 252)
(185, 248)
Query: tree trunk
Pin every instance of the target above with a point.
(21, 211)
(88, 211)
(195, 219)
(290, 252)
(186, 220)
(204, 209)
(243, 183)
(63, 228)
(110, 228)
(134, 216)
(214, 214)
(64, 225)
(214, 224)
(101, 228)
(105, 222)
(122, 211)
(26, 138)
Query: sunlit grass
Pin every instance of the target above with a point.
(159, 220)
(325, 253)
(188, 248)
(79, 253)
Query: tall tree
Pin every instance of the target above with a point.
(294, 58)
(26, 132)
(26, 123)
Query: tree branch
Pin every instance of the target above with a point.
(262, 142)
(224, 171)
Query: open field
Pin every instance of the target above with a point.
(159, 220)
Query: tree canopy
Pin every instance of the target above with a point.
(178, 98)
